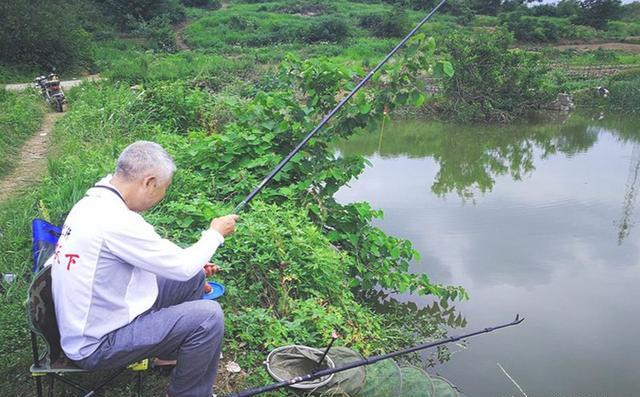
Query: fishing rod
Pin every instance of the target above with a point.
(368, 361)
(328, 117)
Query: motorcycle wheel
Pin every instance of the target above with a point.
(58, 105)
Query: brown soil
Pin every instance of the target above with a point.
(182, 45)
(629, 47)
(32, 162)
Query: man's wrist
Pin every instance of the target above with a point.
(214, 234)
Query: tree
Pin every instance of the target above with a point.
(126, 11)
(44, 34)
(492, 82)
(597, 13)
(631, 11)
(486, 7)
(568, 8)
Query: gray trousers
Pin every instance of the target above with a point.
(181, 326)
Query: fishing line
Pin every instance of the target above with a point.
(384, 116)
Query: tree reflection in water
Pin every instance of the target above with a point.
(471, 157)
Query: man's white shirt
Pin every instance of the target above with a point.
(105, 264)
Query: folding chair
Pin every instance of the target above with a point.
(52, 362)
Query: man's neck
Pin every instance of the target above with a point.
(124, 187)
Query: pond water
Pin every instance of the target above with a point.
(537, 219)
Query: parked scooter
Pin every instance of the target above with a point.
(51, 90)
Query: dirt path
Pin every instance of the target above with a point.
(66, 84)
(182, 45)
(32, 162)
(629, 47)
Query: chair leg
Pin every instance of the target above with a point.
(51, 383)
(38, 386)
(139, 384)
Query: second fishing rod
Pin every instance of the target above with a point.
(335, 110)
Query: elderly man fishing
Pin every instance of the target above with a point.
(123, 293)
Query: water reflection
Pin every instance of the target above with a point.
(541, 238)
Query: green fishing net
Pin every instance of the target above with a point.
(381, 379)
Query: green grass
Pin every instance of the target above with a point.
(20, 118)
(599, 57)
(238, 27)
(137, 67)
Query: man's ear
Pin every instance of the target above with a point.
(150, 181)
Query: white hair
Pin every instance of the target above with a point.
(144, 158)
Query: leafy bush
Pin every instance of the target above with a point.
(605, 56)
(392, 24)
(461, 10)
(159, 34)
(331, 29)
(127, 13)
(535, 29)
(492, 82)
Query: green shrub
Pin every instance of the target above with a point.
(603, 56)
(534, 29)
(331, 29)
(461, 10)
(128, 13)
(392, 24)
(492, 82)
(159, 34)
